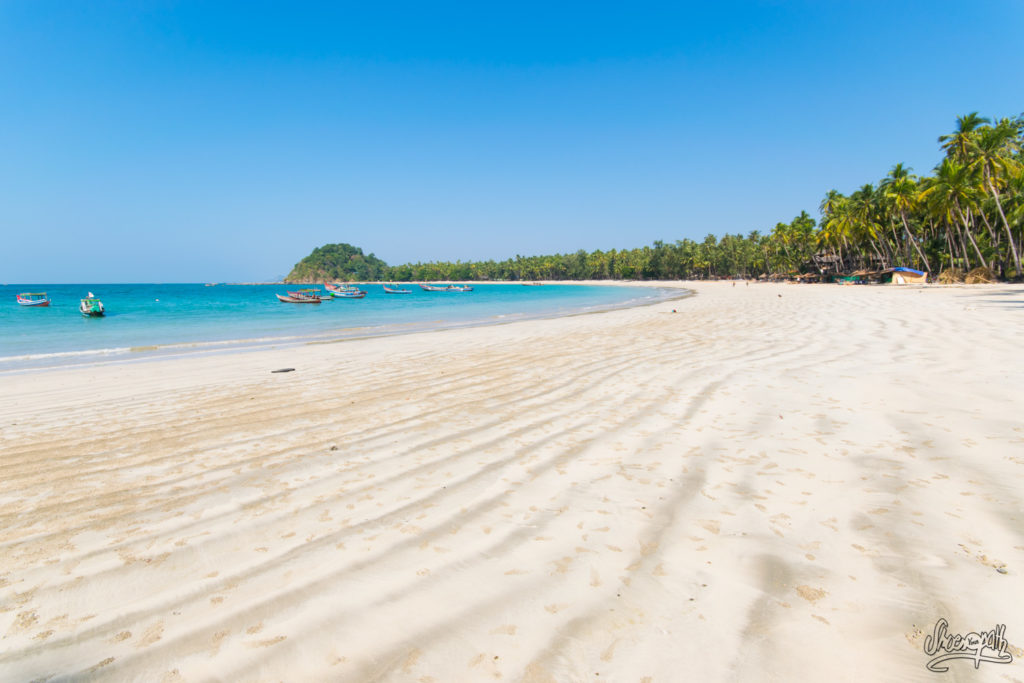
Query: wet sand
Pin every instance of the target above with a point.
(776, 482)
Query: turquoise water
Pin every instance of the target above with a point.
(144, 320)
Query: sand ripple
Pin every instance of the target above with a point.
(758, 486)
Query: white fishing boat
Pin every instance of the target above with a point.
(91, 307)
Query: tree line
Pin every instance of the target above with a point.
(968, 214)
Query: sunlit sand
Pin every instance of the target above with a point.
(776, 482)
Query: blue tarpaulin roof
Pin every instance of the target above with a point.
(901, 269)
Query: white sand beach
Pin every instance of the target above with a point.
(777, 482)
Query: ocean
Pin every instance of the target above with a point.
(151, 320)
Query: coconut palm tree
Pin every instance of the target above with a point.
(1015, 196)
(901, 191)
(990, 152)
(864, 223)
(953, 193)
(833, 233)
(957, 143)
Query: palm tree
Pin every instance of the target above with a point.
(900, 189)
(957, 143)
(953, 193)
(1015, 195)
(834, 225)
(864, 225)
(991, 153)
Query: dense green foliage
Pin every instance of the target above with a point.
(338, 262)
(969, 213)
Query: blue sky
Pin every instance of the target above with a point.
(197, 141)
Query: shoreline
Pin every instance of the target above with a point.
(149, 352)
(616, 494)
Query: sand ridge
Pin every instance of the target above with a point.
(775, 482)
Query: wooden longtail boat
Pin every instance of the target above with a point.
(446, 288)
(395, 289)
(310, 294)
(297, 299)
(339, 288)
(355, 294)
(33, 299)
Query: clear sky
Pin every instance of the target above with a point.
(200, 141)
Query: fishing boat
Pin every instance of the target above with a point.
(33, 299)
(460, 288)
(350, 294)
(338, 287)
(395, 289)
(91, 307)
(433, 288)
(297, 299)
(310, 294)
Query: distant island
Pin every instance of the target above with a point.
(338, 262)
(963, 223)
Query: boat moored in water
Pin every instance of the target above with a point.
(91, 307)
(338, 288)
(34, 299)
(395, 289)
(297, 299)
(349, 294)
(446, 288)
(310, 294)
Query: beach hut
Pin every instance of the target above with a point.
(904, 276)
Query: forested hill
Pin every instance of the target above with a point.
(338, 262)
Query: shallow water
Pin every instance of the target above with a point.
(153, 319)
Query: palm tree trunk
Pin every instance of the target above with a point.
(890, 255)
(949, 245)
(1009, 233)
(961, 243)
(842, 258)
(995, 243)
(913, 241)
(970, 236)
(991, 230)
(881, 257)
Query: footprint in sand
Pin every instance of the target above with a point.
(216, 640)
(268, 643)
(152, 634)
(811, 595)
(23, 622)
(102, 664)
(562, 565)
